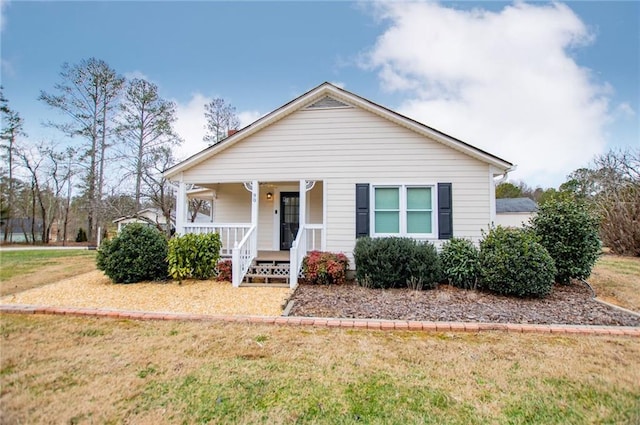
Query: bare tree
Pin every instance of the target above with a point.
(11, 128)
(159, 190)
(221, 117)
(144, 127)
(88, 95)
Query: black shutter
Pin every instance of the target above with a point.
(445, 211)
(362, 210)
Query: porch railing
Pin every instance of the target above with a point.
(309, 238)
(230, 233)
(243, 254)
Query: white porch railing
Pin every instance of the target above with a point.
(230, 233)
(309, 238)
(243, 254)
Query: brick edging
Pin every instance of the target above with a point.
(330, 322)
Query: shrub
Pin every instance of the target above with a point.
(396, 262)
(325, 268)
(460, 265)
(81, 236)
(194, 256)
(225, 271)
(136, 254)
(569, 231)
(512, 262)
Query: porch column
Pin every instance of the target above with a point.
(181, 207)
(255, 198)
(303, 204)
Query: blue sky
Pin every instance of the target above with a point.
(546, 86)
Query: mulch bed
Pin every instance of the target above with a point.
(567, 304)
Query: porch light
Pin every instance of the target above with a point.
(269, 196)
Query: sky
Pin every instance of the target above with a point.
(546, 86)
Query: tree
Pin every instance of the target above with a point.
(145, 126)
(221, 117)
(11, 128)
(159, 190)
(87, 96)
(508, 190)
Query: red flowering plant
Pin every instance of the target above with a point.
(224, 271)
(325, 268)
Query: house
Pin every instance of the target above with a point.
(331, 166)
(155, 217)
(514, 212)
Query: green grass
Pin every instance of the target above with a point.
(16, 263)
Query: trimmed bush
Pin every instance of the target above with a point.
(225, 271)
(136, 254)
(194, 256)
(512, 262)
(396, 262)
(460, 264)
(325, 268)
(569, 231)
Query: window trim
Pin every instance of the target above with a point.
(403, 209)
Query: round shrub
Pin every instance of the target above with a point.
(325, 268)
(424, 269)
(136, 254)
(512, 262)
(396, 262)
(569, 231)
(194, 256)
(460, 264)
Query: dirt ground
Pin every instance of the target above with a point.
(95, 290)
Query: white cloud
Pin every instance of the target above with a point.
(339, 84)
(248, 117)
(503, 81)
(625, 110)
(191, 124)
(137, 74)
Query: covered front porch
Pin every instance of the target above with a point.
(280, 219)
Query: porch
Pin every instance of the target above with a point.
(266, 228)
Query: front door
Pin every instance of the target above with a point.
(289, 218)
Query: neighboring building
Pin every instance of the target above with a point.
(329, 167)
(514, 212)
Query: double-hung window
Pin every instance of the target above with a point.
(403, 210)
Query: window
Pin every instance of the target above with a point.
(404, 210)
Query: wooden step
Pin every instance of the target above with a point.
(268, 272)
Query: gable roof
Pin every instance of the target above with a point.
(340, 95)
(522, 205)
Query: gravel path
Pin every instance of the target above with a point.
(567, 304)
(95, 290)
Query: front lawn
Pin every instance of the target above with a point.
(61, 369)
(25, 269)
(616, 279)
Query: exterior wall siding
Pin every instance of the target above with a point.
(346, 146)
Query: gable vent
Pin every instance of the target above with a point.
(327, 102)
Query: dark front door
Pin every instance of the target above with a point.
(289, 218)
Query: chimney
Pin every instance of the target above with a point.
(231, 132)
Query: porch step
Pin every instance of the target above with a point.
(269, 272)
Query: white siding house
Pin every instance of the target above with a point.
(331, 166)
(515, 212)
